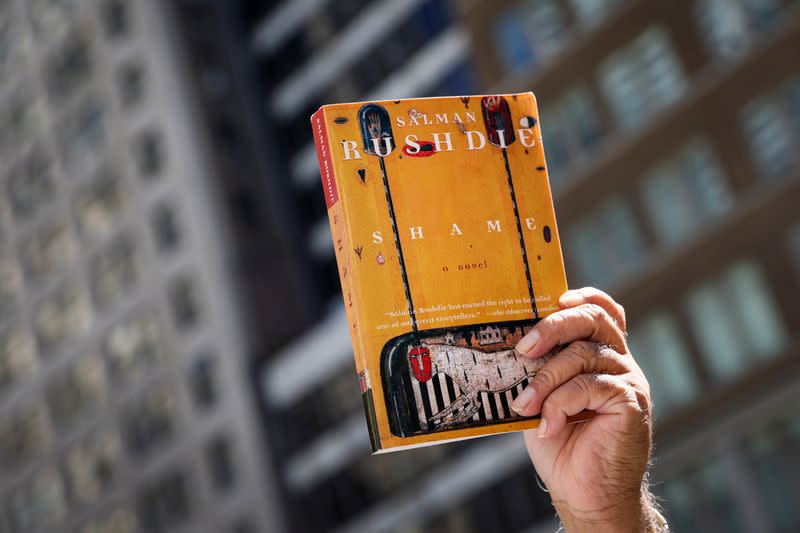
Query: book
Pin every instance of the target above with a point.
(448, 253)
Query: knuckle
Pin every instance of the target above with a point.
(599, 316)
(585, 349)
(544, 380)
(584, 383)
(552, 325)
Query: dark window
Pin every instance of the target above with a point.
(76, 391)
(149, 153)
(220, 463)
(203, 384)
(165, 503)
(151, 420)
(69, 68)
(117, 18)
(166, 228)
(30, 187)
(185, 301)
(243, 525)
(131, 84)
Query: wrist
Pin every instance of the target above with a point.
(631, 515)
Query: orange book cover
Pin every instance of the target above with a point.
(448, 252)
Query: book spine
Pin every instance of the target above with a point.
(340, 231)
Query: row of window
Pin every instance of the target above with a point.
(735, 322)
(532, 31)
(772, 126)
(644, 77)
(683, 194)
(131, 349)
(703, 497)
(67, 313)
(92, 468)
(407, 37)
(636, 81)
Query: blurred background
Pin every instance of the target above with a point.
(173, 349)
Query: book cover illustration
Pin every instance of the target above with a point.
(448, 253)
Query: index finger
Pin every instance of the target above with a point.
(586, 322)
(592, 295)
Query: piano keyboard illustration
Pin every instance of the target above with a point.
(441, 391)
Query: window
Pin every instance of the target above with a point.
(642, 78)
(38, 504)
(701, 500)
(17, 357)
(118, 521)
(185, 301)
(131, 84)
(220, 462)
(92, 466)
(47, 251)
(21, 116)
(593, 12)
(684, 192)
(730, 26)
(555, 136)
(772, 126)
(99, 205)
(571, 128)
(24, 434)
(30, 187)
(529, 33)
(150, 421)
(9, 42)
(133, 346)
(10, 288)
(166, 228)
(149, 153)
(116, 18)
(83, 131)
(771, 454)
(114, 271)
(659, 349)
(243, 525)
(203, 381)
(69, 68)
(606, 243)
(63, 315)
(737, 323)
(165, 503)
(73, 393)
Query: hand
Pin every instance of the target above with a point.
(593, 470)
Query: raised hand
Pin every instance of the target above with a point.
(594, 470)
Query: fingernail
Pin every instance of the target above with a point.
(523, 400)
(542, 429)
(528, 341)
(571, 298)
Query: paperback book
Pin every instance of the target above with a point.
(448, 253)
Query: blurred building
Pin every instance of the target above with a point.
(124, 399)
(671, 130)
(672, 133)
